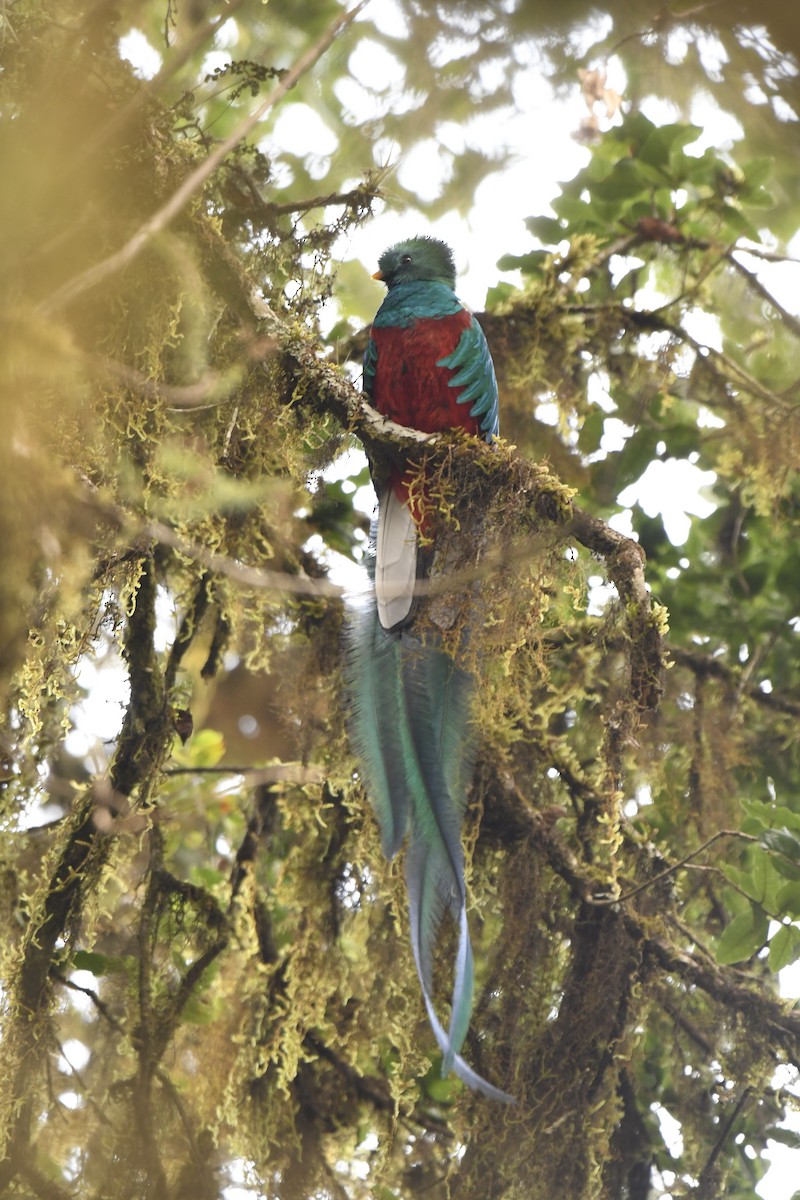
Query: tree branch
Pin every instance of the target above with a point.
(254, 577)
(708, 1182)
(199, 176)
(705, 666)
(789, 319)
(289, 772)
(92, 995)
(733, 990)
(685, 861)
(186, 49)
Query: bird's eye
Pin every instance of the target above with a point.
(405, 259)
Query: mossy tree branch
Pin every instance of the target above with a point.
(641, 913)
(146, 732)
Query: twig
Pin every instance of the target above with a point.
(685, 1023)
(199, 176)
(255, 577)
(187, 48)
(789, 319)
(212, 389)
(653, 322)
(207, 392)
(90, 1100)
(733, 990)
(365, 192)
(99, 1004)
(198, 1159)
(164, 535)
(372, 1088)
(732, 369)
(705, 1179)
(188, 982)
(706, 666)
(767, 255)
(260, 776)
(192, 619)
(690, 934)
(734, 833)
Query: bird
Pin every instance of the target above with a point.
(427, 366)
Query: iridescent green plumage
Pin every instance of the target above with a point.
(427, 365)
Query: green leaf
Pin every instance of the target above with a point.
(755, 576)
(703, 170)
(548, 230)
(357, 293)
(782, 841)
(633, 132)
(530, 263)
(99, 964)
(208, 877)
(787, 1137)
(786, 868)
(630, 463)
(784, 948)
(499, 294)
(440, 1090)
(339, 332)
(591, 431)
(662, 141)
(739, 878)
(199, 1009)
(681, 440)
(788, 574)
(756, 172)
(664, 206)
(787, 901)
(204, 749)
(578, 214)
(761, 874)
(738, 223)
(758, 198)
(745, 934)
(769, 814)
(626, 181)
(785, 849)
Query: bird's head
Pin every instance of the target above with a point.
(417, 259)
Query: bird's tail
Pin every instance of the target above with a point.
(409, 725)
(376, 720)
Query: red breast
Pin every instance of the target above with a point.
(409, 387)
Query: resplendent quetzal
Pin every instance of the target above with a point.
(427, 366)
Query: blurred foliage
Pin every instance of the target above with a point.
(205, 961)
